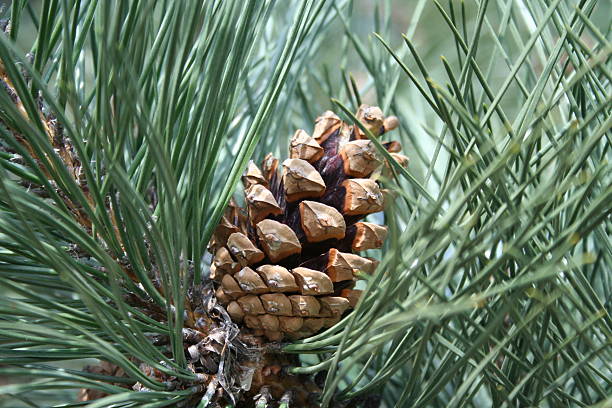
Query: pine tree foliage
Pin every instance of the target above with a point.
(125, 127)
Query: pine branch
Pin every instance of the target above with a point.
(123, 133)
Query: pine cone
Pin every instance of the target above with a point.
(286, 265)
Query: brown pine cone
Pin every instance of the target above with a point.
(286, 265)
